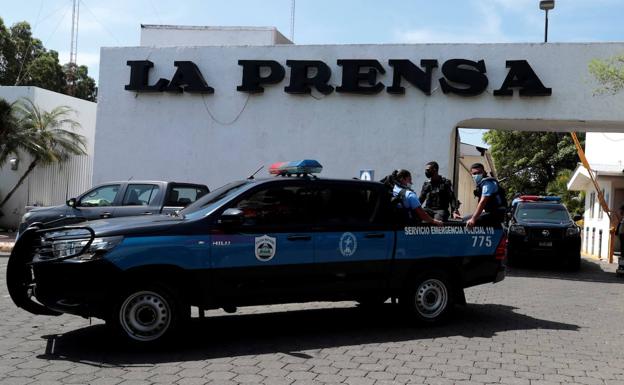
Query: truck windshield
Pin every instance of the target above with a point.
(536, 211)
(212, 200)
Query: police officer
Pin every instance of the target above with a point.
(437, 194)
(409, 200)
(492, 202)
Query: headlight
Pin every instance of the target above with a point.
(76, 248)
(516, 229)
(573, 231)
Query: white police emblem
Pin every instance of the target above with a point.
(265, 248)
(348, 244)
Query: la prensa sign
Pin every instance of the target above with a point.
(359, 76)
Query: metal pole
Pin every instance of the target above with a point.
(546, 29)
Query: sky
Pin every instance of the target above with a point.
(116, 23)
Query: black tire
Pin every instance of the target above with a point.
(147, 314)
(430, 298)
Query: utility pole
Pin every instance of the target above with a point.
(73, 51)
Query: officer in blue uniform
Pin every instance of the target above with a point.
(492, 202)
(409, 199)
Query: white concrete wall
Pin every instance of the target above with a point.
(43, 186)
(172, 36)
(614, 200)
(605, 148)
(225, 136)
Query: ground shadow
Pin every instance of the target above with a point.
(590, 271)
(291, 332)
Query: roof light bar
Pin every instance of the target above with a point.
(297, 167)
(539, 198)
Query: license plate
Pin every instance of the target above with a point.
(545, 244)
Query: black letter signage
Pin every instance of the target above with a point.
(300, 82)
(522, 75)
(351, 76)
(474, 78)
(188, 78)
(139, 72)
(408, 70)
(252, 78)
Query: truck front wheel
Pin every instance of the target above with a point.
(430, 297)
(146, 315)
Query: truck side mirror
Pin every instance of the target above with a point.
(577, 218)
(71, 202)
(231, 217)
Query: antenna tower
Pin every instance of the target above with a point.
(73, 52)
(292, 21)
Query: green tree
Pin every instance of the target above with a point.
(47, 140)
(24, 61)
(609, 73)
(573, 200)
(528, 161)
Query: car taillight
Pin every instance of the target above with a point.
(499, 254)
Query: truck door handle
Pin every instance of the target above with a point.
(147, 213)
(105, 214)
(375, 235)
(299, 237)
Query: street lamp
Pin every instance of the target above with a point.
(546, 5)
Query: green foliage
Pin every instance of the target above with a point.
(527, 162)
(609, 73)
(573, 200)
(24, 61)
(46, 136)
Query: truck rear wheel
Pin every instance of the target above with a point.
(430, 298)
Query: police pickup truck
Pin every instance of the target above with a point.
(294, 237)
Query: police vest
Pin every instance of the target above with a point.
(439, 196)
(498, 201)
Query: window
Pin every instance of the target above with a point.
(592, 203)
(347, 205)
(100, 197)
(278, 206)
(600, 211)
(140, 194)
(184, 195)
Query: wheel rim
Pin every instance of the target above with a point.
(431, 298)
(145, 316)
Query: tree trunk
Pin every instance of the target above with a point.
(31, 167)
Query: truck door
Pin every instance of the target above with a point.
(98, 203)
(353, 245)
(140, 199)
(269, 257)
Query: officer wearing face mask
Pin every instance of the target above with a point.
(492, 202)
(437, 194)
(408, 199)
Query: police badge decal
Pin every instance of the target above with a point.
(265, 248)
(347, 244)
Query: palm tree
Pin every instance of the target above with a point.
(43, 136)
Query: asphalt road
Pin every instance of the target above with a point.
(538, 326)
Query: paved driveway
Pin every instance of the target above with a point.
(536, 327)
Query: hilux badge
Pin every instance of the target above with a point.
(265, 248)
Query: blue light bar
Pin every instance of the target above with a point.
(306, 166)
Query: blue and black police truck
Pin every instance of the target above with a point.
(293, 237)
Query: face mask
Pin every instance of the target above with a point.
(477, 178)
(428, 174)
(408, 185)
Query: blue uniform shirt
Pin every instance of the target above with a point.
(410, 200)
(489, 188)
